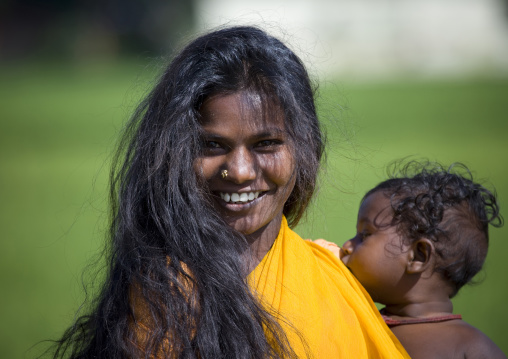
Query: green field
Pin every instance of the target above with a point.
(58, 125)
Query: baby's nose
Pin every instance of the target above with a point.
(347, 248)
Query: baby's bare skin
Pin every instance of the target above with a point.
(403, 278)
(418, 241)
(449, 339)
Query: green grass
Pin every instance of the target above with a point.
(57, 130)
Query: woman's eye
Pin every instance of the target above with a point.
(212, 144)
(212, 148)
(267, 143)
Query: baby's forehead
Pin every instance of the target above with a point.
(376, 207)
(378, 199)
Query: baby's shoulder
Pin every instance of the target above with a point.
(447, 339)
(476, 344)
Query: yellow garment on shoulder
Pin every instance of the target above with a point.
(312, 289)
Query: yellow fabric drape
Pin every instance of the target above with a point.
(312, 289)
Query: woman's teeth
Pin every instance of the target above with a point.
(239, 197)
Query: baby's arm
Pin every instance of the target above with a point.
(332, 247)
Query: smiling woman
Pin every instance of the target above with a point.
(257, 155)
(215, 166)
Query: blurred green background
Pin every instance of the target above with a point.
(59, 124)
(64, 99)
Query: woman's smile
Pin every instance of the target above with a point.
(247, 160)
(239, 198)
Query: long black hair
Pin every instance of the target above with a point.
(445, 205)
(169, 249)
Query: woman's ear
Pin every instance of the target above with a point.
(420, 256)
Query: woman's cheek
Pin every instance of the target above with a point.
(280, 167)
(204, 168)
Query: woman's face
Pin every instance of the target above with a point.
(256, 152)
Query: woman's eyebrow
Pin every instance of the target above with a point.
(211, 135)
(270, 132)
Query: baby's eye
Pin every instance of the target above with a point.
(364, 234)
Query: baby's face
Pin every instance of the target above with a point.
(376, 255)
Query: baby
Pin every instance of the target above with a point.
(419, 239)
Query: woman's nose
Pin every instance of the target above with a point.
(241, 165)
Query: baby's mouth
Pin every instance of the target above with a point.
(234, 197)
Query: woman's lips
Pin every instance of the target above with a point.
(239, 198)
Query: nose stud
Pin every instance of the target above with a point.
(224, 173)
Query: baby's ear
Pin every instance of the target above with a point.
(420, 256)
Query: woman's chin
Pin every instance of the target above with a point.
(256, 225)
(246, 225)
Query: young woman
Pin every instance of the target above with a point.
(216, 165)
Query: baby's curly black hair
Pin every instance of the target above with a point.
(447, 207)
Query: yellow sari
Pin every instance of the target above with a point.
(310, 288)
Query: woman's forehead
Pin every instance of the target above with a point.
(249, 107)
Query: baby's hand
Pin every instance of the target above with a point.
(335, 249)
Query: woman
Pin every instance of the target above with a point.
(218, 161)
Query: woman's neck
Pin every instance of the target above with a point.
(260, 242)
